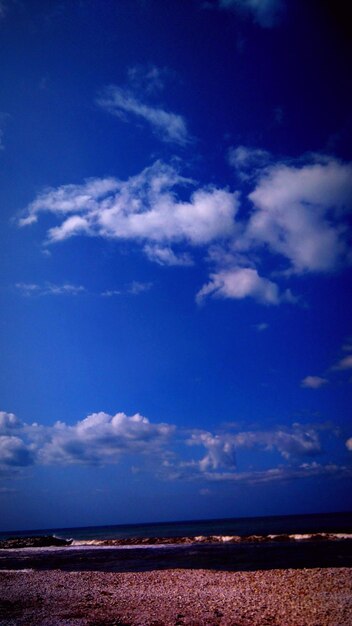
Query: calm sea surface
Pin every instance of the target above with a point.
(290, 524)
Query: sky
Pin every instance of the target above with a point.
(175, 206)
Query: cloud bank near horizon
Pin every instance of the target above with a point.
(103, 439)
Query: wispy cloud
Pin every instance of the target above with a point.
(134, 288)
(109, 293)
(248, 162)
(3, 119)
(3, 9)
(147, 79)
(347, 347)
(50, 289)
(168, 126)
(282, 474)
(293, 442)
(266, 13)
(164, 255)
(261, 327)
(67, 289)
(344, 364)
(137, 287)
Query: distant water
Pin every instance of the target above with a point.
(245, 554)
(241, 526)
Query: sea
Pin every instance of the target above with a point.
(276, 542)
(237, 526)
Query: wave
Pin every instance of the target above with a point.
(54, 541)
(210, 539)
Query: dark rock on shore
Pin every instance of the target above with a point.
(34, 542)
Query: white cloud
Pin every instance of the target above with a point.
(75, 225)
(8, 422)
(220, 451)
(102, 438)
(266, 13)
(170, 127)
(75, 199)
(99, 438)
(298, 221)
(314, 382)
(299, 214)
(344, 364)
(242, 282)
(145, 208)
(14, 452)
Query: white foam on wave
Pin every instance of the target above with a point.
(312, 536)
(93, 546)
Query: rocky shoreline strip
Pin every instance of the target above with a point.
(308, 597)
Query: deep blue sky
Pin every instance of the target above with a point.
(176, 198)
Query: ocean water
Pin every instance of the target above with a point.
(91, 550)
(241, 526)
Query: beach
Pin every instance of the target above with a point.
(285, 597)
(103, 577)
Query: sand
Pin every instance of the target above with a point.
(306, 597)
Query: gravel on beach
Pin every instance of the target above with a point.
(306, 597)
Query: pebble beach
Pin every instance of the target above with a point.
(291, 597)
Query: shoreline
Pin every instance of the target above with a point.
(177, 597)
